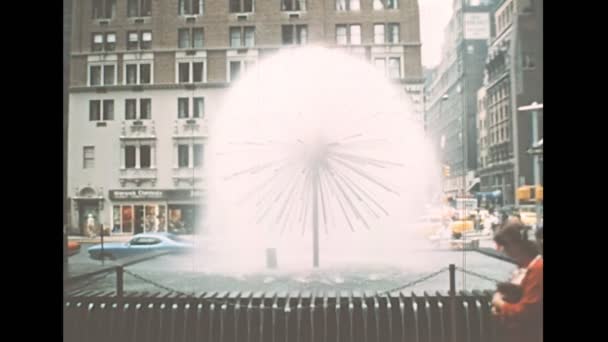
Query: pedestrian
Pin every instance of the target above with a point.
(520, 318)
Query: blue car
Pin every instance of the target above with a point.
(141, 244)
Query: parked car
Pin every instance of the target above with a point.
(141, 244)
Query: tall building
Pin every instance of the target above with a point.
(147, 75)
(450, 117)
(514, 65)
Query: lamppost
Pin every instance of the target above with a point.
(534, 108)
(442, 140)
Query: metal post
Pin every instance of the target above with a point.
(536, 167)
(119, 281)
(453, 301)
(101, 234)
(315, 218)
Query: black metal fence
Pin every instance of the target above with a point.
(94, 316)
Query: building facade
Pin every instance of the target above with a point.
(450, 117)
(146, 76)
(513, 70)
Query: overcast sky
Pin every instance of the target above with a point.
(434, 16)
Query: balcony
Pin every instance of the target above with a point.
(138, 176)
(188, 176)
(138, 129)
(190, 128)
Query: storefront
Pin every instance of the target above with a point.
(139, 211)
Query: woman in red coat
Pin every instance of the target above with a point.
(521, 320)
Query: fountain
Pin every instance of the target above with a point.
(314, 145)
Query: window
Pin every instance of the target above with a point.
(379, 34)
(139, 40)
(294, 34)
(182, 108)
(341, 37)
(95, 110)
(145, 156)
(198, 104)
(108, 74)
(101, 42)
(182, 156)
(97, 73)
(104, 9)
(131, 73)
(190, 7)
(139, 8)
(88, 157)
(190, 38)
(145, 109)
(293, 5)
(241, 6)
(184, 72)
(197, 155)
(130, 109)
(235, 70)
(393, 33)
(242, 36)
(385, 4)
(108, 110)
(129, 157)
(394, 67)
(184, 76)
(348, 34)
(390, 66)
(144, 73)
(347, 5)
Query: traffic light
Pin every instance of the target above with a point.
(446, 170)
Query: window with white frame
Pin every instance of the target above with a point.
(190, 7)
(138, 156)
(190, 71)
(183, 156)
(242, 36)
(139, 8)
(388, 33)
(189, 155)
(190, 38)
(102, 74)
(385, 4)
(138, 73)
(241, 6)
(236, 67)
(141, 40)
(103, 42)
(293, 5)
(389, 66)
(197, 155)
(101, 110)
(103, 9)
(348, 5)
(294, 34)
(348, 34)
(183, 107)
(88, 157)
(145, 109)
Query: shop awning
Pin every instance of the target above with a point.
(474, 187)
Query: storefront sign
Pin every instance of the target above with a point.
(137, 194)
(477, 26)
